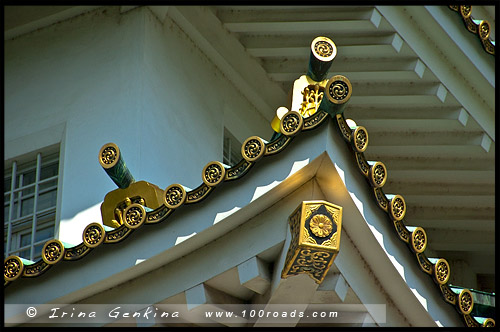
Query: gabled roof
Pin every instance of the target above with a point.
(375, 173)
(383, 202)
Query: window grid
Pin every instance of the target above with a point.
(21, 221)
(231, 154)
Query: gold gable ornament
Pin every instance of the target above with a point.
(315, 227)
(119, 202)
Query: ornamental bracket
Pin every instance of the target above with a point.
(315, 227)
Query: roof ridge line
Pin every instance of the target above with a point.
(481, 29)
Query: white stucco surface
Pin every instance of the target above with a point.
(126, 78)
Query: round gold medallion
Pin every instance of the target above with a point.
(321, 225)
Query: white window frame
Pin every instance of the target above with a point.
(16, 224)
(230, 155)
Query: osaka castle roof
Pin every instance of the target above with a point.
(317, 152)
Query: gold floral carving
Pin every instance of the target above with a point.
(362, 164)
(484, 30)
(198, 194)
(175, 195)
(331, 242)
(109, 155)
(77, 252)
(339, 91)
(238, 170)
(381, 199)
(402, 231)
(323, 49)
(448, 295)
(378, 174)
(34, 270)
(465, 11)
(465, 301)
(52, 252)
(307, 238)
(117, 234)
(489, 322)
(398, 207)
(277, 145)
(158, 215)
(424, 263)
(312, 97)
(93, 235)
(441, 271)
(360, 139)
(294, 222)
(309, 209)
(314, 121)
(253, 148)
(306, 253)
(344, 129)
(469, 321)
(418, 240)
(13, 268)
(488, 46)
(321, 225)
(314, 263)
(135, 216)
(334, 212)
(213, 173)
(291, 124)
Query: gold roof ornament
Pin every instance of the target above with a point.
(315, 227)
(315, 231)
(308, 91)
(481, 28)
(129, 192)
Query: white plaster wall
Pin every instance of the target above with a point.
(124, 78)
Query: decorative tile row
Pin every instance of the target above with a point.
(480, 28)
(375, 173)
(136, 215)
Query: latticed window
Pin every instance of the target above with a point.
(231, 153)
(30, 199)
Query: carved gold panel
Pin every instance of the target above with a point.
(315, 227)
(116, 201)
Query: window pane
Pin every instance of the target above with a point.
(27, 206)
(13, 244)
(38, 252)
(25, 239)
(46, 185)
(28, 191)
(44, 233)
(235, 156)
(29, 177)
(227, 144)
(49, 170)
(47, 200)
(231, 149)
(15, 213)
(25, 254)
(6, 184)
(23, 203)
(45, 219)
(6, 213)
